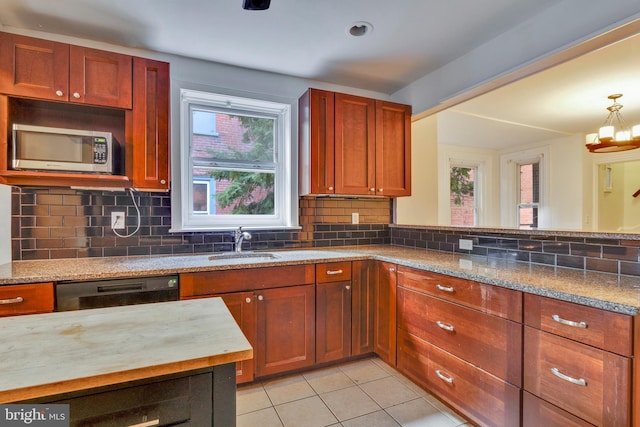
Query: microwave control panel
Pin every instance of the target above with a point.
(99, 150)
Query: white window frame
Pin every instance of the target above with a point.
(285, 216)
(510, 185)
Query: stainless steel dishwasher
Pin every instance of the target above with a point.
(115, 292)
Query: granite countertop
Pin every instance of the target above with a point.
(105, 346)
(601, 290)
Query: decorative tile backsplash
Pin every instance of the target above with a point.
(619, 256)
(51, 223)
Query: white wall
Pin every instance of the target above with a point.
(5, 224)
(422, 207)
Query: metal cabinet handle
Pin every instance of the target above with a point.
(380, 190)
(372, 189)
(348, 287)
(562, 321)
(392, 269)
(577, 381)
(15, 300)
(260, 297)
(330, 188)
(444, 377)
(155, 422)
(76, 95)
(59, 93)
(330, 272)
(444, 326)
(247, 300)
(445, 288)
(163, 181)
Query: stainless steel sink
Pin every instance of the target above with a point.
(243, 255)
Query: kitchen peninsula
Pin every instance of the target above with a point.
(183, 352)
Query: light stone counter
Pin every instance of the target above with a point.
(48, 354)
(607, 291)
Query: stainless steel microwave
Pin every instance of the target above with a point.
(56, 149)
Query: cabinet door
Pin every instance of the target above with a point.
(26, 299)
(333, 321)
(99, 77)
(355, 144)
(393, 149)
(243, 308)
(150, 125)
(286, 332)
(362, 307)
(385, 312)
(317, 142)
(33, 67)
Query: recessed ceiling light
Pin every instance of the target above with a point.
(256, 4)
(359, 29)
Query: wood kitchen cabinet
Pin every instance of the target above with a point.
(362, 307)
(45, 69)
(577, 364)
(333, 311)
(275, 309)
(462, 340)
(150, 123)
(354, 145)
(384, 319)
(26, 299)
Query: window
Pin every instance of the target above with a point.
(462, 199)
(529, 195)
(235, 163)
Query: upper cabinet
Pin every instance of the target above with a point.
(351, 145)
(52, 84)
(55, 71)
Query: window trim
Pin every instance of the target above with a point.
(286, 194)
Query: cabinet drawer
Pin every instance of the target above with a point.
(588, 382)
(478, 395)
(26, 299)
(224, 281)
(494, 300)
(333, 272)
(489, 342)
(536, 412)
(599, 328)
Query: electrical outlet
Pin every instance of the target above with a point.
(117, 220)
(465, 244)
(355, 218)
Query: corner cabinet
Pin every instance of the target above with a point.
(351, 145)
(47, 83)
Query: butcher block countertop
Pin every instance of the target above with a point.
(54, 353)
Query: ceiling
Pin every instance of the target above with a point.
(302, 38)
(564, 100)
(410, 38)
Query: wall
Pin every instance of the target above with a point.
(5, 224)
(53, 223)
(421, 207)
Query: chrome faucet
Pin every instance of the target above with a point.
(239, 237)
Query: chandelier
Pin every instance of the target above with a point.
(614, 136)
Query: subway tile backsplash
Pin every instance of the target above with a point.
(554, 249)
(51, 223)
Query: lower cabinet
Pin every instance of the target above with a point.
(26, 299)
(384, 318)
(243, 308)
(286, 333)
(199, 398)
(333, 311)
(482, 397)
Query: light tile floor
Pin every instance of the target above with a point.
(364, 393)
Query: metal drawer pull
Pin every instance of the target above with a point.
(443, 377)
(330, 272)
(572, 380)
(155, 422)
(445, 288)
(559, 319)
(444, 326)
(11, 300)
